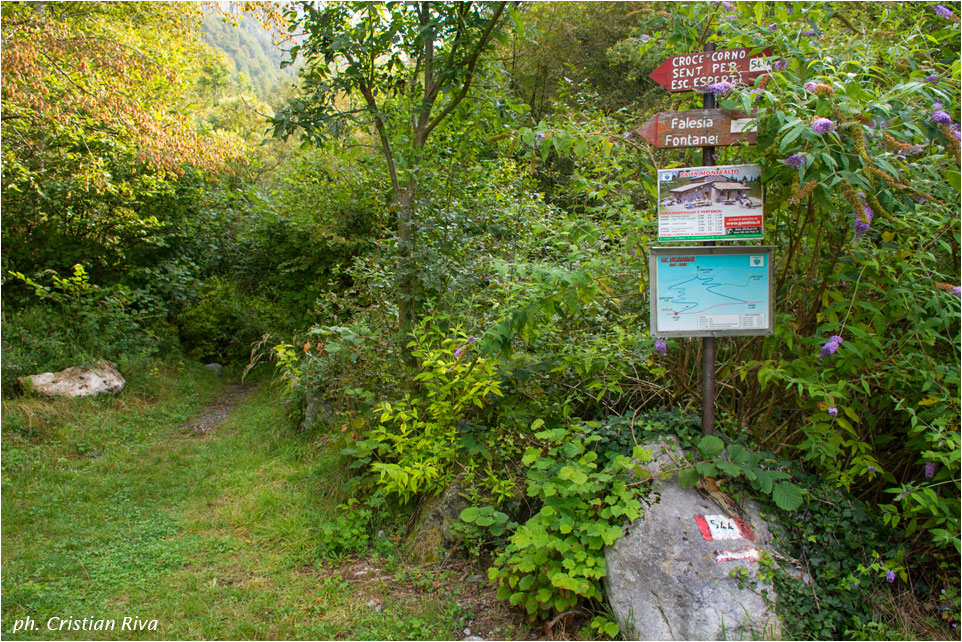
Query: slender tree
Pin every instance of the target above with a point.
(395, 70)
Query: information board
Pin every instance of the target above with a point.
(711, 291)
(715, 203)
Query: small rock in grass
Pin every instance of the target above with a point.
(216, 368)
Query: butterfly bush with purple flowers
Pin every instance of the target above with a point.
(795, 160)
(823, 125)
(943, 11)
(722, 88)
(830, 346)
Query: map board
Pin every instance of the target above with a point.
(711, 291)
(714, 203)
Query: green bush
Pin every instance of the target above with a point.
(556, 559)
(225, 322)
(74, 322)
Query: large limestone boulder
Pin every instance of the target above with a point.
(79, 381)
(669, 576)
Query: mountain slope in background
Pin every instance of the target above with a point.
(252, 54)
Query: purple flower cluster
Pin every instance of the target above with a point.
(833, 412)
(863, 222)
(941, 117)
(810, 86)
(541, 135)
(812, 34)
(661, 347)
(889, 576)
(929, 469)
(957, 291)
(943, 12)
(956, 131)
(932, 78)
(823, 125)
(795, 160)
(722, 88)
(460, 351)
(728, 5)
(830, 346)
(780, 65)
(773, 26)
(910, 151)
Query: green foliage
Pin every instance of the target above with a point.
(348, 532)
(487, 517)
(416, 440)
(224, 322)
(75, 322)
(555, 560)
(847, 552)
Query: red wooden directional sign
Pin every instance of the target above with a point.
(697, 128)
(693, 71)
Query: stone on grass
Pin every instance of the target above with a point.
(216, 368)
(669, 576)
(79, 381)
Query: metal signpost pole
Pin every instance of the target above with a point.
(708, 343)
(682, 212)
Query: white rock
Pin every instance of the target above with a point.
(667, 581)
(76, 382)
(216, 368)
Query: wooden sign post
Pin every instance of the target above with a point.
(697, 128)
(707, 128)
(708, 343)
(694, 71)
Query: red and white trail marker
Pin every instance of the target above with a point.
(720, 527)
(748, 553)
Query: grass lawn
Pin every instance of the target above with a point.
(115, 508)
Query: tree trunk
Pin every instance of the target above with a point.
(407, 305)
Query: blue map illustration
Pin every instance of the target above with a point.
(713, 292)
